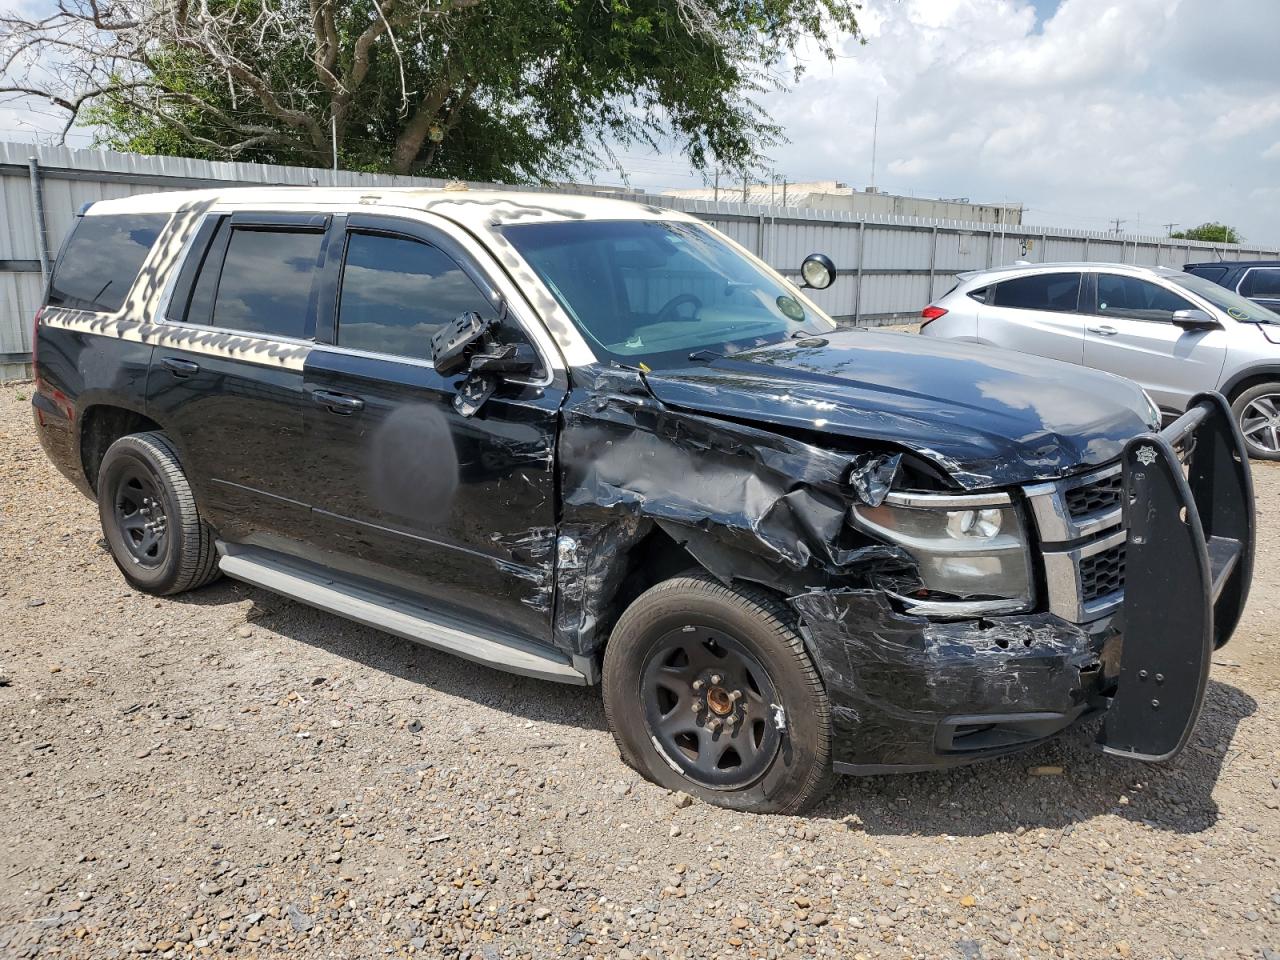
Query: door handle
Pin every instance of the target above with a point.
(1104, 330)
(338, 403)
(180, 368)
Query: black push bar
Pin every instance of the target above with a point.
(1189, 513)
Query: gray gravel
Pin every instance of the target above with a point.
(229, 773)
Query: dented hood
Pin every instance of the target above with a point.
(987, 417)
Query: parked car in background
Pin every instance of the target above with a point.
(1259, 280)
(1174, 332)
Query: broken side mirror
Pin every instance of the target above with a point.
(511, 359)
(452, 345)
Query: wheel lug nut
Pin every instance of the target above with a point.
(696, 706)
(715, 723)
(735, 696)
(716, 678)
(698, 684)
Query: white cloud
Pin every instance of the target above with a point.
(1148, 110)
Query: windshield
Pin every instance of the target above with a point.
(653, 292)
(1236, 306)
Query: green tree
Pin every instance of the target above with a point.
(1210, 233)
(504, 90)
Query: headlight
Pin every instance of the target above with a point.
(968, 548)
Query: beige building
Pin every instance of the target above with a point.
(834, 195)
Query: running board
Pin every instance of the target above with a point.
(382, 612)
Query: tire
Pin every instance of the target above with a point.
(774, 755)
(149, 517)
(1258, 409)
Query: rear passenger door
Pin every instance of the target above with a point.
(1262, 286)
(226, 374)
(1036, 313)
(457, 511)
(1130, 332)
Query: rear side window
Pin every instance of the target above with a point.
(266, 282)
(980, 294)
(397, 292)
(1056, 292)
(1137, 299)
(1212, 274)
(1261, 282)
(102, 259)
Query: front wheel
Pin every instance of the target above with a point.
(708, 690)
(149, 517)
(1257, 410)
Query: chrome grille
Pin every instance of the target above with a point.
(1102, 574)
(1080, 523)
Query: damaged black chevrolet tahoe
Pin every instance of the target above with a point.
(599, 442)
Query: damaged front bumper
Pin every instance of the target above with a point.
(909, 692)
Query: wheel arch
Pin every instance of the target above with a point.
(101, 425)
(1249, 378)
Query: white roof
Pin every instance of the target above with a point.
(478, 210)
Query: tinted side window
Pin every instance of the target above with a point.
(1137, 299)
(206, 285)
(397, 292)
(102, 260)
(266, 282)
(1059, 292)
(1212, 274)
(1261, 282)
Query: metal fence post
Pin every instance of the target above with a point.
(37, 217)
(933, 258)
(857, 290)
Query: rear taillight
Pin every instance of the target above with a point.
(932, 313)
(35, 335)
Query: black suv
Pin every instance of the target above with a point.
(593, 441)
(1259, 280)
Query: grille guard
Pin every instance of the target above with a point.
(1189, 563)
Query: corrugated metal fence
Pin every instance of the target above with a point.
(890, 267)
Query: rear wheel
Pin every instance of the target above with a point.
(149, 517)
(1257, 411)
(709, 690)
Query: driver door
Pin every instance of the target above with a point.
(405, 490)
(1129, 331)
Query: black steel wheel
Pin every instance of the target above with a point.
(149, 517)
(708, 690)
(710, 706)
(141, 517)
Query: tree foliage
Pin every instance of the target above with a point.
(1209, 233)
(480, 89)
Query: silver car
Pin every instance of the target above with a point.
(1174, 333)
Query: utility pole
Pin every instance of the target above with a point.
(773, 180)
(784, 191)
(716, 194)
(746, 183)
(875, 131)
(1116, 224)
(1168, 228)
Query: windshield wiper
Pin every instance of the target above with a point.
(705, 356)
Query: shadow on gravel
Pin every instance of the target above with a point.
(1000, 795)
(995, 796)
(522, 697)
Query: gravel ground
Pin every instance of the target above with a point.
(230, 773)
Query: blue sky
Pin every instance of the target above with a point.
(1150, 111)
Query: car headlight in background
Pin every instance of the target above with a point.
(971, 550)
